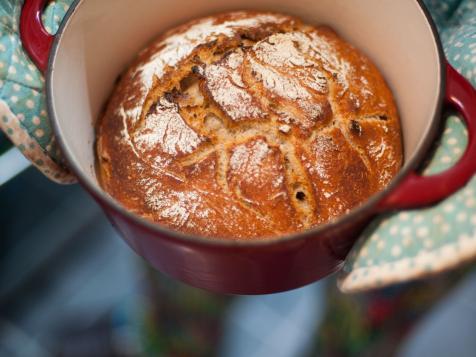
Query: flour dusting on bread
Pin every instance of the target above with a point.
(226, 87)
(164, 128)
(178, 46)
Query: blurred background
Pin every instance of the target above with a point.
(69, 286)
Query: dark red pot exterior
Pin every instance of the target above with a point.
(240, 269)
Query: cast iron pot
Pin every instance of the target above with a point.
(96, 41)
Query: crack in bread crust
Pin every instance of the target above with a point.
(220, 128)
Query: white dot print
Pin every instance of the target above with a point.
(404, 216)
(446, 159)
(445, 228)
(452, 141)
(393, 230)
(470, 202)
(396, 251)
(422, 232)
(448, 208)
(418, 218)
(30, 104)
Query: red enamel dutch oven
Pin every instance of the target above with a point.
(96, 41)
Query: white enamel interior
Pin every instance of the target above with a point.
(103, 36)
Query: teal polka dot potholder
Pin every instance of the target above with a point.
(411, 244)
(23, 115)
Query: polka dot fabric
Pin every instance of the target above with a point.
(22, 98)
(412, 244)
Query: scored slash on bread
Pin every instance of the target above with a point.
(248, 125)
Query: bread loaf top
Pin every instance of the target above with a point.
(248, 125)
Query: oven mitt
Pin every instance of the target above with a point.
(412, 244)
(23, 115)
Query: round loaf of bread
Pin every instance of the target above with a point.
(248, 125)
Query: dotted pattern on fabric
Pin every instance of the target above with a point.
(22, 92)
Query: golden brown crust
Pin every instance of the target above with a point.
(248, 125)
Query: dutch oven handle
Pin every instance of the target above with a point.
(416, 190)
(35, 39)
